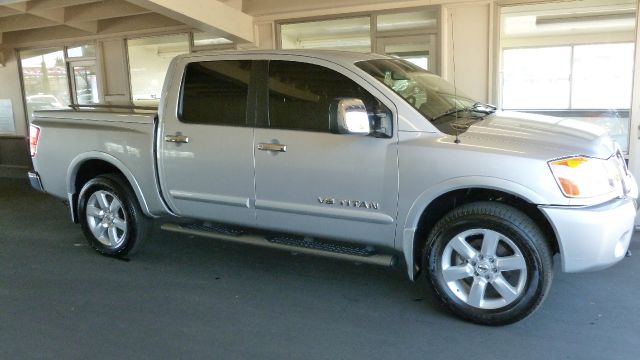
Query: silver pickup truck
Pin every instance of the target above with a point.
(361, 157)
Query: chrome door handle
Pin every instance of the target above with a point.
(176, 138)
(272, 147)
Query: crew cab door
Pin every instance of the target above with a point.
(206, 141)
(314, 182)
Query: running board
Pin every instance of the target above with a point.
(288, 243)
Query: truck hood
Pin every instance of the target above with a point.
(548, 136)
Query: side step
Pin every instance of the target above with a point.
(299, 244)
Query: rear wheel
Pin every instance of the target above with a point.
(489, 263)
(110, 215)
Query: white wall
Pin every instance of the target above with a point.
(10, 88)
(634, 146)
(467, 51)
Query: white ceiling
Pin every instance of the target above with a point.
(26, 21)
(73, 17)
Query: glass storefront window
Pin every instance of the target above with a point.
(602, 76)
(415, 20)
(353, 34)
(81, 51)
(536, 78)
(418, 49)
(584, 82)
(149, 60)
(572, 60)
(86, 84)
(411, 35)
(44, 75)
(205, 39)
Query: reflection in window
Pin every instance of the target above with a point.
(149, 59)
(44, 75)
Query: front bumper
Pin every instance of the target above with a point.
(592, 237)
(34, 179)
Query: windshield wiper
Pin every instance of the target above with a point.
(478, 107)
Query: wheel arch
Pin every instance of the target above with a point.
(88, 165)
(434, 203)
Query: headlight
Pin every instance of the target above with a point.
(584, 177)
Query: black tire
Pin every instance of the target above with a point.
(131, 234)
(475, 223)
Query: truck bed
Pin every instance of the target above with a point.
(124, 137)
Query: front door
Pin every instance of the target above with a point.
(206, 143)
(314, 182)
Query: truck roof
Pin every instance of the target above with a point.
(337, 56)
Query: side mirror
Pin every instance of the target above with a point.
(349, 116)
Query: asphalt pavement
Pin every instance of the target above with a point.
(186, 297)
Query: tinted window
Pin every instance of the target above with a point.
(215, 92)
(301, 94)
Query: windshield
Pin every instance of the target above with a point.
(431, 95)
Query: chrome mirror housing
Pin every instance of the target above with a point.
(351, 117)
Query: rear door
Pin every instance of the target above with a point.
(206, 141)
(311, 181)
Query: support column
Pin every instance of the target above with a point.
(634, 121)
(634, 116)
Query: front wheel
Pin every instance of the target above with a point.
(489, 263)
(111, 218)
